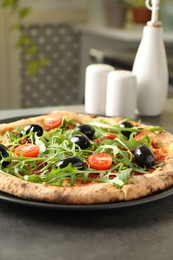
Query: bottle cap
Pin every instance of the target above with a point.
(154, 7)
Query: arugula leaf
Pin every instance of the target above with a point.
(56, 145)
(132, 143)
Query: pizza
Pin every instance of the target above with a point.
(69, 158)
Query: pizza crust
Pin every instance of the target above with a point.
(90, 193)
(141, 186)
(80, 118)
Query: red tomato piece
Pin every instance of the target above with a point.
(142, 134)
(99, 140)
(27, 150)
(53, 121)
(110, 136)
(159, 154)
(100, 161)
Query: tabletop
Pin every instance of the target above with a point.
(143, 231)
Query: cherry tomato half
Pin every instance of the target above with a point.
(27, 150)
(142, 134)
(100, 161)
(53, 121)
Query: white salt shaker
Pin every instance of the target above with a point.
(95, 88)
(121, 94)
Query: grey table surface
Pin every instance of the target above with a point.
(143, 231)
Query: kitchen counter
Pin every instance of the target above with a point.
(117, 45)
(142, 231)
(130, 35)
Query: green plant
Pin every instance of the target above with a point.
(26, 42)
(117, 1)
(130, 3)
(135, 3)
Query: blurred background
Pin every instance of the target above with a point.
(45, 46)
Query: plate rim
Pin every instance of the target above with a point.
(102, 206)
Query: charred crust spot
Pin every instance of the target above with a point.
(92, 115)
(23, 185)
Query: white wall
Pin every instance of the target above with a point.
(50, 11)
(65, 4)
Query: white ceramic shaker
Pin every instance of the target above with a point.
(121, 94)
(150, 67)
(95, 88)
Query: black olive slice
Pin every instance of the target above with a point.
(86, 129)
(126, 124)
(33, 128)
(3, 153)
(74, 160)
(144, 156)
(81, 140)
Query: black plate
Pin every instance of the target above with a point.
(13, 199)
(117, 205)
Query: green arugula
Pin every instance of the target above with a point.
(55, 145)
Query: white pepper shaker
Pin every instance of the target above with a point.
(95, 88)
(121, 94)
